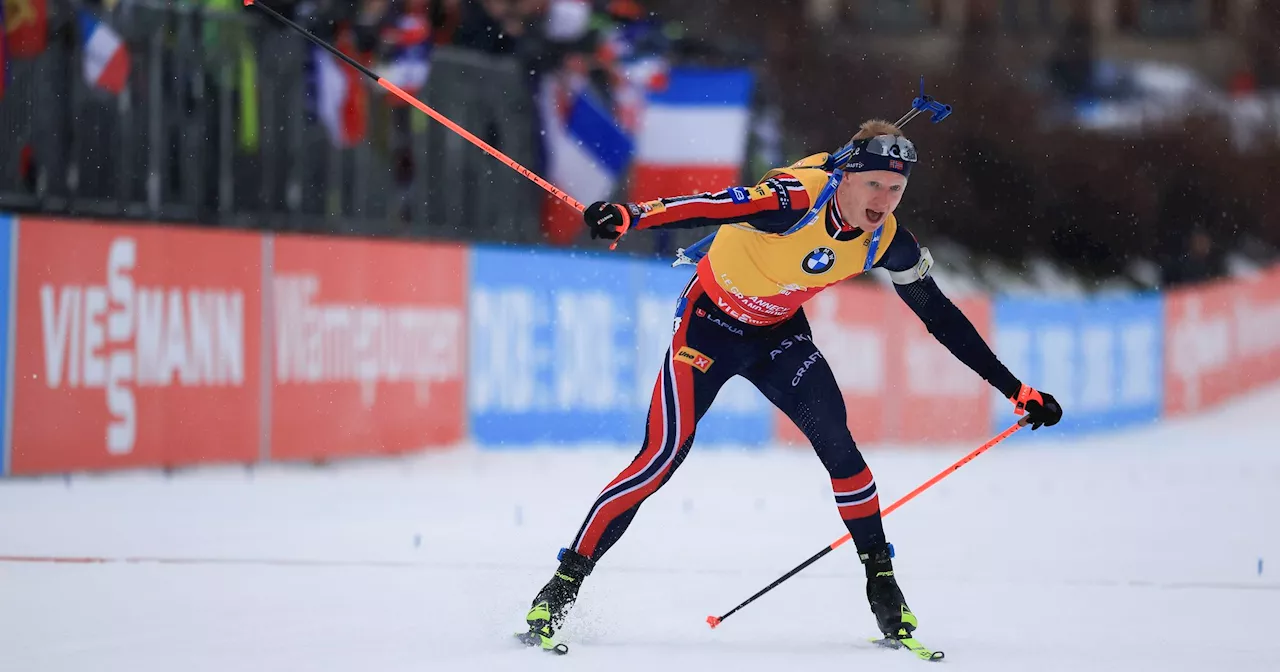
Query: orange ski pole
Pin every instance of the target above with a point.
(713, 621)
(489, 149)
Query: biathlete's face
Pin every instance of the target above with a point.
(866, 199)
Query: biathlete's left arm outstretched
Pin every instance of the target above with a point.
(908, 267)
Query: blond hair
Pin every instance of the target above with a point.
(873, 127)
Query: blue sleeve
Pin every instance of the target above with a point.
(942, 318)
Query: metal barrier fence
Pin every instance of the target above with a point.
(183, 143)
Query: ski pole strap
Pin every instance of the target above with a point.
(871, 249)
(840, 158)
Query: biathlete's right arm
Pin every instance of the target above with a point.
(772, 206)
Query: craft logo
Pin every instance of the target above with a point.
(804, 367)
(694, 358)
(784, 195)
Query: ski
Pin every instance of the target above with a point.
(911, 644)
(533, 639)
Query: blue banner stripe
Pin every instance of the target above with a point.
(565, 348)
(706, 86)
(1102, 358)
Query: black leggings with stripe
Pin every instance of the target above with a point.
(707, 349)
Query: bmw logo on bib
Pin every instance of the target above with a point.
(819, 261)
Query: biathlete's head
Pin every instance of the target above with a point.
(876, 175)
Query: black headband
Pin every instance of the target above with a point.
(893, 153)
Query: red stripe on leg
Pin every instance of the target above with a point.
(868, 508)
(607, 513)
(684, 399)
(656, 432)
(683, 382)
(853, 483)
(682, 385)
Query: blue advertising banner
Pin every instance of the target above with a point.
(565, 348)
(1103, 358)
(8, 231)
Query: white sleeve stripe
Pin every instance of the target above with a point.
(689, 201)
(918, 272)
(856, 502)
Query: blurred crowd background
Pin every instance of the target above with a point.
(1095, 144)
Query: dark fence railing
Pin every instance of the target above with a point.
(215, 125)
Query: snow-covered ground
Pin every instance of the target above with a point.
(1138, 551)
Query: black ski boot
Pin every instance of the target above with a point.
(892, 614)
(554, 600)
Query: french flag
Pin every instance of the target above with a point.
(106, 61)
(693, 136)
(408, 65)
(587, 153)
(407, 69)
(340, 101)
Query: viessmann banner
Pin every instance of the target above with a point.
(135, 346)
(152, 346)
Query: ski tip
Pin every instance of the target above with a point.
(713, 621)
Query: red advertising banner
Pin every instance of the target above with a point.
(1221, 340)
(136, 346)
(900, 385)
(849, 327)
(368, 347)
(939, 399)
